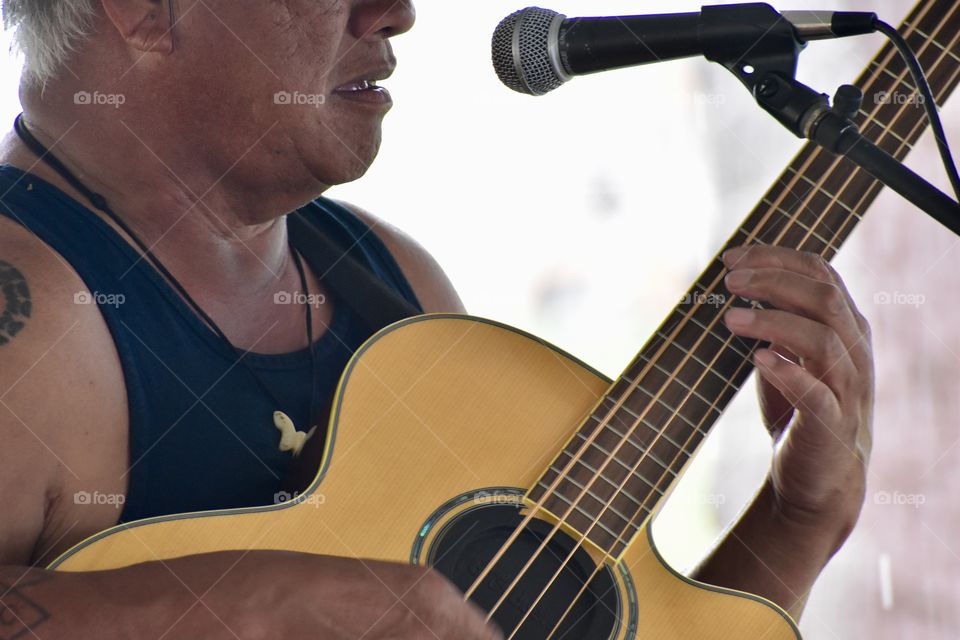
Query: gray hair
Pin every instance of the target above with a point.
(47, 32)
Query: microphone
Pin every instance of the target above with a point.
(536, 50)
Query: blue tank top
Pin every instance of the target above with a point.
(201, 428)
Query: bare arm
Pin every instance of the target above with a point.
(235, 595)
(769, 555)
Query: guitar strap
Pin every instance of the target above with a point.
(354, 283)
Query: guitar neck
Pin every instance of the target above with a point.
(626, 456)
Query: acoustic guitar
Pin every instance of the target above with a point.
(525, 476)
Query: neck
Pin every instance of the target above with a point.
(218, 241)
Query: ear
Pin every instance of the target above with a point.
(145, 25)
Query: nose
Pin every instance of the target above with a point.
(382, 18)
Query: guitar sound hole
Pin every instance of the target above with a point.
(465, 547)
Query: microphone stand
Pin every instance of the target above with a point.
(767, 66)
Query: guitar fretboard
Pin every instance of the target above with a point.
(627, 454)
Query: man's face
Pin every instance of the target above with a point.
(276, 86)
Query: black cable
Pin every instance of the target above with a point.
(929, 103)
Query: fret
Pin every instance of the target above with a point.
(780, 230)
(608, 455)
(626, 519)
(670, 396)
(749, 238)
(934, 18)
(678, 412)
(593, 471)
(834, 215)
(630, 429)
(884, 130)
(847, 181)
(693, 356)
(786, 186)
(652, 437)
(821, 174)
(658, 412)
(683, 357)
(839, 201)
(631, 454)
(899, 78)
(674, 378)
(593, 527)
(664, 405)
(674, 366)
(618, 487)
(800, 204)
(635, 473)
(714, 381)
(822, 190)
(726, 342)
(700, 328)
(648, 454)
(624, 434)
(796, 220)
(829, 216)
(932, 41)
(659, 401)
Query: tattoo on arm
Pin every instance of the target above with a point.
(20, 615)
(17, 305)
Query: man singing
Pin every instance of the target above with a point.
(144, 247)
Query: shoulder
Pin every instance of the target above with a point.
(428, 279)
(62, 408)
(41, 294)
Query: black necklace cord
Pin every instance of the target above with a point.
(308, 304)
(99, 202)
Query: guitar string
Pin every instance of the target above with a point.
(681, 450)
(603, 424)
(866, 196)
(829, 246)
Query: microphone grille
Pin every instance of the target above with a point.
(522, 54)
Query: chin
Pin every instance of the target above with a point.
(340, 168)
(346, 165)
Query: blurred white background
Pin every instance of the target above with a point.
(582, 217)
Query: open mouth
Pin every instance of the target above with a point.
(366, 90)
(362, 85)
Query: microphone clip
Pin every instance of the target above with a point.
(751, 40)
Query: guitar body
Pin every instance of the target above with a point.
(440, 425)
